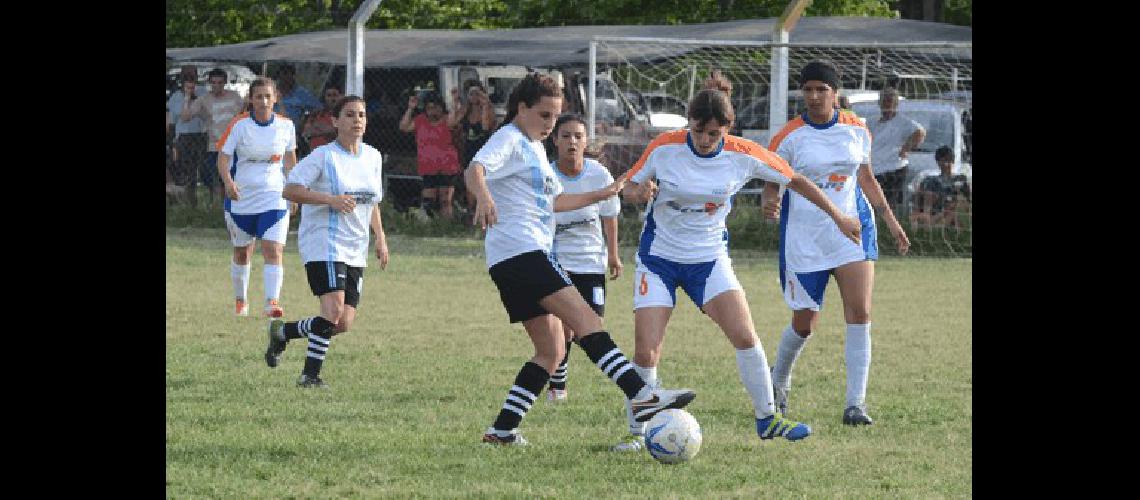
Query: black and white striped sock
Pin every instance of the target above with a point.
(602, 350)
(528, 383)
(298, 329)
(319, 338)
(558, 380)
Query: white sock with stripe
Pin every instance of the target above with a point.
(753, 368)
(649, 375)
(791, 344)
(274, 276)
(240, 277)
(858, 357)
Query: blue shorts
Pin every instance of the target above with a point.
(804, 290)
(656, 281)
(272, 225)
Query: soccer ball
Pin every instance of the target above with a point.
(673, 436)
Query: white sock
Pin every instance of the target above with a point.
(753, 367)
(274, 276)
(649, 375)
(240, 277)
(858, 354)
(790, 347)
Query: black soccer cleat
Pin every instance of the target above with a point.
(277, 343)
(856, 415)
(307, 381)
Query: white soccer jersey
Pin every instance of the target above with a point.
(259, 173)
(523, 187)
(829, 155)
(327, 235)
(685, 223)
(579, 245)
(889, 138)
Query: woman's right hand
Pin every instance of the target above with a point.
(485, 215)
(412, 102)
(232, 191)
(342, 203)
(850, 227)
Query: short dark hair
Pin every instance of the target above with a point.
(944, 152)
(433, 97)
(567, 117)
(343, 101)
(217, 72)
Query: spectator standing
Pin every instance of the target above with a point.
(895, 136)
(295, 100)
(217, 108)
(189, 132)
(476, 120)
(320, 127)
(437, 160)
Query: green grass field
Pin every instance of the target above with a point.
(428, 362)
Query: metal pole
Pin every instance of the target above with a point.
(354, 66)
(863, 76)
(692, 80)
(954, 79)
(778, 91)
(592, 91)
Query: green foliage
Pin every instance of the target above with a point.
(193, 23)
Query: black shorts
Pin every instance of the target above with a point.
(592, 286)
(525, 279)
(325, 277)
(434, 181)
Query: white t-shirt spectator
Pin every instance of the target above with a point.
(325, 235)
(889, 136)
(523, 187)
(174, 105)
(579, 246)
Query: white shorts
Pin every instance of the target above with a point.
(655, 281)
(272, 225)
(804, 290)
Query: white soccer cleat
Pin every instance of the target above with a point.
(556, 395)
(660, 399)
(631, 442)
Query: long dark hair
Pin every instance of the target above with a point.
(530, 90)
(261, 81)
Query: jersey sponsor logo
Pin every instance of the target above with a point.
(563, 227)
(708, 208)
(362, 197)
(834, 182)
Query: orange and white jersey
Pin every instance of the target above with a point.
(258, 170)
(686, 220)
(829, 155)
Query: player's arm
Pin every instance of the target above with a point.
(566, 202)
(476, 180)
(224, 161)
(610, 230)
(300, 193)
(874, 192)
(458, 111)
(381, 238)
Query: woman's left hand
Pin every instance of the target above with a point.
(900, 238)
(382, 253)
(615, 188)
(615, 267)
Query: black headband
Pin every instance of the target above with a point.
(823, 72)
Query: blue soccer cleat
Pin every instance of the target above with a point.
(776, 425)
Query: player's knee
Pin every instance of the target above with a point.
(743, 339)
(858, 315)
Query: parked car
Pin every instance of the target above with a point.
(945, 124)
(661, 111)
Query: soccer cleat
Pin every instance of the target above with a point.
(556, 395)
(515, 439)
(780, 397)
(660, 399)
(277, 343)
(856, 415)
(307, 381)
(272, 310)
(631, 442)
(241, 308)
(776, 425)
